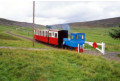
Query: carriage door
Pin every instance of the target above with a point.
(56, 34)
(56, 38)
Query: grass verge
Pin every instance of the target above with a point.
(55, 65)
(92, 34)
(118, 55)
(99, 35)
(13, 41)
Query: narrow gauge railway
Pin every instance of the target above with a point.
(59, 38)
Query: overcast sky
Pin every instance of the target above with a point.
(54, 12)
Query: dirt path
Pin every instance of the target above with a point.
(26, 48)
(108, 55)
(9, 32)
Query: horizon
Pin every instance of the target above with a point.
(62, 23)
(59, 12)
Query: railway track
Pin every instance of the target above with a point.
(30, 39)
(9, 32)
(108, 55)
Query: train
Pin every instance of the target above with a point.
(60, 38)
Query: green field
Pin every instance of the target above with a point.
(54, 64)
(12, 41)
(92, 34)
(99, 35)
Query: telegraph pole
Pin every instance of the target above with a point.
(33, 20)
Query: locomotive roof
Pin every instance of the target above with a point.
(50, 30)
(77, 33)
(54, 30)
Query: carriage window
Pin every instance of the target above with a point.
(46, 33)
(43, 33)
(82, 37)
(36, 33)
(55, 35)
(76, 36)
(71, 37)
(40, 33)
(49, 34)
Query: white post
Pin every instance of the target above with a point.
(103, 48)
(83, 46)
(78, 48)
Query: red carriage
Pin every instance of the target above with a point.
(54, 37)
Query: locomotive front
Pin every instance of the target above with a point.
(76, 41)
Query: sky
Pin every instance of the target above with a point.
(58, 12)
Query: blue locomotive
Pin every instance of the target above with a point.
(76, 41)
(60, 38)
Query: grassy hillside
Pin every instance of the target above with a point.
(12, 41)
(53, 65)
(99, 35)
(16, 23)
(57, 65)
(110, 22)
(92, 34)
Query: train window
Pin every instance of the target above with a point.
(36, 33)
(55, 35)
(40, 33)
(82, 37)
(76, 36)
(49, 34)
(71, 37)
(46, 33)
(43, 33)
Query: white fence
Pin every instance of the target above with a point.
(102, 50)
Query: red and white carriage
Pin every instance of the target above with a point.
(54, 37)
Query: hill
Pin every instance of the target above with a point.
(16, 23)
(110, 22)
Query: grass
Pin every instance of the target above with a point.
(118, 55)
(99, 35)
(13, 41)
(55, 65)
(24, 32)
(92, 34)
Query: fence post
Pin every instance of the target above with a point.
(78, 48)
(103, 48)
(83, 46)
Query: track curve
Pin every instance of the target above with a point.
(108, 55)
(9, 32)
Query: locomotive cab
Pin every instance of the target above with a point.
(75, 39)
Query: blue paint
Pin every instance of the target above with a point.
(75, 39)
